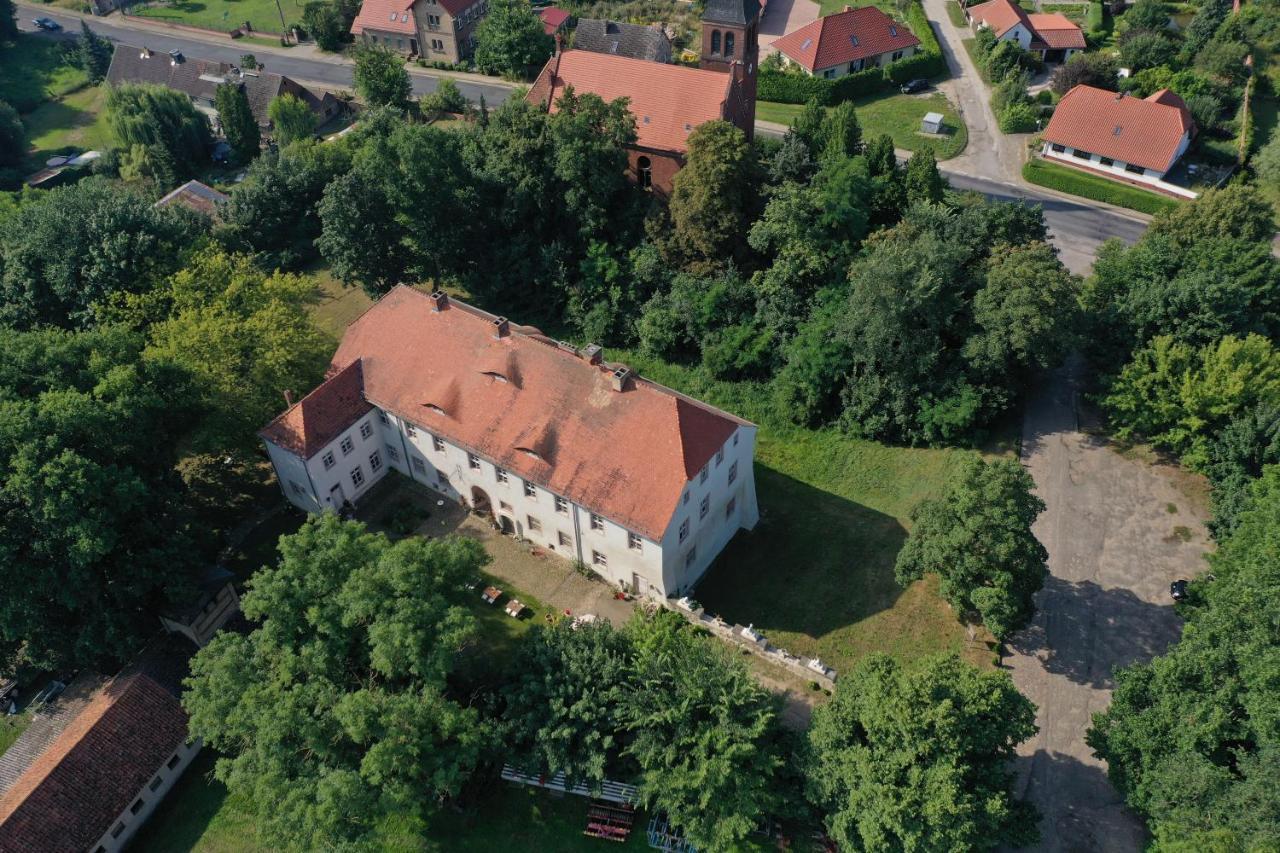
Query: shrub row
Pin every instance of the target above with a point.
(1068, 180)
(792, 88)
(1095, 18)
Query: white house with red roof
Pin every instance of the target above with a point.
(1053, 36)
(437, 30)
(585, 458)
(1134, 140)
(847, 42)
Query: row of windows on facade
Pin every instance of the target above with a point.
(141, 801)
(1102, 161)
(436, 44)
(861, 64)
(347, 446)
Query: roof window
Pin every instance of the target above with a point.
(853, 40)
(393, 17)
(1117, 130)
(807, 44)
(893, 30)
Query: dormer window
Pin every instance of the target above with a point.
(492, 374)
(433, 407)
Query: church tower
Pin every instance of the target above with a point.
(731, 44)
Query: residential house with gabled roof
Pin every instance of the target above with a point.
(1133, 140)
(554, 19)
(199, 80)
(1051, 35)
(669, 101)
(635, 41)
(92, 766)
(847, 42)
(642, 484)
(436, 30)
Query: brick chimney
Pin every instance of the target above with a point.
(593, 353)
(619, 377)
(501, 328)
(439, 300)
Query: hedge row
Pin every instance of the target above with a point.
(1068, 180)
(792, 88)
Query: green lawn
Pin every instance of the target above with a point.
(32, 72)
(224, 15)
(11, 728)
(72, 123)
(1073, 181)
(1075, 11)
(956, 14)
(897, 115)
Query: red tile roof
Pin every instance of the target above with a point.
(69, 796)
(668, 101)
(1146, 132)
(394, 16)
(1056, 30)
(845, 37)
(536, 409)
(1000, 15)
(317, 418)
(552, 18)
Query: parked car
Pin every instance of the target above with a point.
(1178, 589)
(914, 86)
(48, 24)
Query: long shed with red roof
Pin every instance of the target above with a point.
(642, 484)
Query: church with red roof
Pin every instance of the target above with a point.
(554, 444)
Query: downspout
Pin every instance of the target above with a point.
(306, 469)
(408, 460)
(577, 534)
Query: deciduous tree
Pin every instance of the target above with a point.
(13, 136)
(977, 538)
(381, 78)
(333, 714)
(360, 236)
(920, 758)
(510, 39)
(714, 197)
(162, 119)
(324, 24)
(291, 119)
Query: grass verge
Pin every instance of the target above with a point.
(1073, 181)
(11, 728)
(956, 14)
(897, 115)
(220, 15)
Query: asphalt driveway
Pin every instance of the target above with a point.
(1118, 530)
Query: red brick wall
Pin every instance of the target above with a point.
(663, 166)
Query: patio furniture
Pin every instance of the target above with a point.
(514, 608)
(491, 594)
(611, 821)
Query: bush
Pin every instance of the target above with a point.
(1068, 180)
(1019, 118)
(1095, 18)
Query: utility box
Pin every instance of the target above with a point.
(931, 123)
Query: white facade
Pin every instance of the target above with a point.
(127, 824)
(1126, 171)
(712, 507)
(844, 68)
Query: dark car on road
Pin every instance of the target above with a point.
(914, 86)
(48, 24)
(1178, 589)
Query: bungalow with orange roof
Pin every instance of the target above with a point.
(847, 42)
(1134, 140)
(554, 444)
(1052, 35)
(436, 30)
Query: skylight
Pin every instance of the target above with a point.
(893, 31)
(853, 40)
(807, 43)
(1116, 132)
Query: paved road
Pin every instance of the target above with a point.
(303, 66)
(1118, 531)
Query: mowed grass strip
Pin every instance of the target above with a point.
(897, 115)
(222, 15)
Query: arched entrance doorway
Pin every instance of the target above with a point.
(480, 502)
(505, 525)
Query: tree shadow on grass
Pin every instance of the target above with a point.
(1084, 632)
(815, 563)
(1079, 808)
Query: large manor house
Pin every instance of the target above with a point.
(552, 443)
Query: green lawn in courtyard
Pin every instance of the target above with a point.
(72, 123)
(11, 728)
(224, 15)
(897, 115)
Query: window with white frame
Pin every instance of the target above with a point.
(419, 466)
(685, 499)
(375, 461)
(704, 507)
(357, 476)
(347, 445)
(684, 530)
(690, 557)
(634, 542)
(733, 473)
(410, 430)
(702, 475)
(735, 439)
(534, 524)
(438, 443)
(597, 523)
(563, 539)
(504, 505)
(730, 507)
(366, 429)
(393, 454)
(443, 479)
(719, 457)
(500, 474)
(382, 416)
(473, 461)
(327, 459)
(530, 490)
(599, 559)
